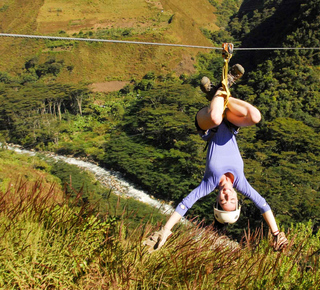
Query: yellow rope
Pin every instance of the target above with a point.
(227, 54)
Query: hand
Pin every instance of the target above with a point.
(157, 240)
(280, 242)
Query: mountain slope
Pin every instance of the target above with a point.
(140, 20)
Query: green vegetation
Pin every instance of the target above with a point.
(15, 168)
(45, 244)
(146, 131)
(63, 181)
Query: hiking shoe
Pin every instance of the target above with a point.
(235, 73)
(206, 85)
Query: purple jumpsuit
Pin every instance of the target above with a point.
(223, 156)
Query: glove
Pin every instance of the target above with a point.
(280, 241)
(157, 240)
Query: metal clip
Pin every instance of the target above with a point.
(227, 50)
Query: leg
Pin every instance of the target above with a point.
(241, 113)
(210, 117)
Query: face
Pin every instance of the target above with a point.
(227, 198)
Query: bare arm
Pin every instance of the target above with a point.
(157, 239)
(269, 218)
(174, 219)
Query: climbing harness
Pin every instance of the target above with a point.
(227, 50)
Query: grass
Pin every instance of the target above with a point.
(18, 168)
(168, 22)
(15, 167)
(51, 241)
(99, 10)
(67, 245)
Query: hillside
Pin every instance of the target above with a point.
(140, 20)
(92, 239)
(19, 169)
(47, 244)
(146, 130)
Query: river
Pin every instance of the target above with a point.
(108, 178)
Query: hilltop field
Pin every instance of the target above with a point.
(139, 20)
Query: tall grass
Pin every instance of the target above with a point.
(53, 244)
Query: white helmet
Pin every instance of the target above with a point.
(226, 217)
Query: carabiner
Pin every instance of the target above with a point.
(227, 50)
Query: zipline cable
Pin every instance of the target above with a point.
(105, 40)
(150, 43)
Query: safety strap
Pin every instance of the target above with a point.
(227, 50)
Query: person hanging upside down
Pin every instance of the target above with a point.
(218, 124)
